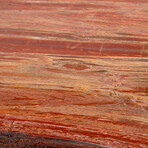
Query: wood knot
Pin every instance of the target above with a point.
(76, 66)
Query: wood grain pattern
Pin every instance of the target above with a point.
(75, 69)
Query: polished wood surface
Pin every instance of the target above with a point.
(75, 70)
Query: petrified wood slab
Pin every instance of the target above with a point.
(74, 73)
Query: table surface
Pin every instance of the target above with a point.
(74, 73)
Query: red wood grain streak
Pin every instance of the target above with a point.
(74, 70)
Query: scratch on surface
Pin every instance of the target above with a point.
(101, 49)
(142, 50)
(11, 125)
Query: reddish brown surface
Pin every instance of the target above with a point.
(74, 70)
